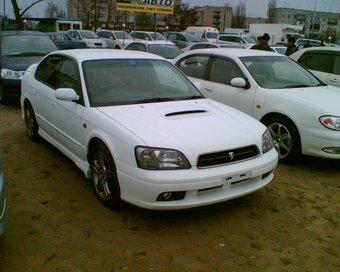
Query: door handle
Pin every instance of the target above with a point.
(208, 89)
(333, 80)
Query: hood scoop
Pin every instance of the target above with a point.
(184, 113)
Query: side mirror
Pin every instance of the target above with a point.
(66, 94)
(239, 82)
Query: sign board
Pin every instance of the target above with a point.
(153, 6)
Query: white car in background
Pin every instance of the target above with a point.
(301, 112)
(115, 39)
(323, 61)
(142, 131)
(165, 49)
(92, 39)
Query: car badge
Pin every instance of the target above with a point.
(231, 155)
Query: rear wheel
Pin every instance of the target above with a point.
(31, 123)
(104, 176)
(286, 138)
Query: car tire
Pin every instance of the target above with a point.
(104, 176)
(32, 126)
(117, 47)
(286, 138)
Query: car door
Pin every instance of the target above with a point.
(219, 73)
(68, 115)
(43, 94)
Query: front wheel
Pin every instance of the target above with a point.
(31, 123)
(104, 176)
(286, 138)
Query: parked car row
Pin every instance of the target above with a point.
(145, 124)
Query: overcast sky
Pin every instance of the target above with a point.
(254, 8)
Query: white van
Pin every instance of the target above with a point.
(207, 34)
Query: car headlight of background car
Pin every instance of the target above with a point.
(331, 122)
(10, 74)
(160, 159)
(267, 142)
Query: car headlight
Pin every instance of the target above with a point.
(160, 159)
(331, 122)
(10, 74)
(267, 141)
(90, 44)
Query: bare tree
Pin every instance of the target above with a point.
(239, 15)
(19, 15)
(271, 12)
(182, 17)
(53, 9)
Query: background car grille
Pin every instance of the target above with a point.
(227, 156)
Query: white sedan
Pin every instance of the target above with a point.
(301, 112)
(142, 131)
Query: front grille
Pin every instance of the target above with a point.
(228, 156)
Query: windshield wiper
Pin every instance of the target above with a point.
(153, 100)
(297, 86)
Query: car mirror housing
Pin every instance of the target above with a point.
(239, 82)
(66, 94)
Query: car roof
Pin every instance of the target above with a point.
(320, 48)
(101, 54)
(236, 52)
(149, 32)
(160, 42)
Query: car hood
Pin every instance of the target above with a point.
(192, 126)
(19, 63)
(324, 98)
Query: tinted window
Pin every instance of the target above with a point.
(223, 70)
(336, 67)
(59, 72)
(317, 61)
(194, 66)
(136, 47)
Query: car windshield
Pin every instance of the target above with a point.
(88, 35)
(279, 72)
(166, 51)
(27, 45)
(109, 83)
(192, 38)
(212, 35)
(248, 39)
(123, 35)
(159, 37)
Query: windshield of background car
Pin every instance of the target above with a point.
(121, 35)
(275, 72)
(166, 51)
(212, 35)
(26, 45)
(88, 35)
(248, 39)
(192, 38)
(133, 81)
(159, 37)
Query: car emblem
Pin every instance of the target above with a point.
(231, 155)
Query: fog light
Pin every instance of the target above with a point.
(331, 150)
(171, 196)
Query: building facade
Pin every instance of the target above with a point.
(316, 24)
(218, 17)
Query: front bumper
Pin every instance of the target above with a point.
(200, 187)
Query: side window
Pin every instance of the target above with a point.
(68, 76)
(223, 70)
(47, 71)
(180, 37)
(316, 61)
(133, 46)
(194, 66)
(336, 67)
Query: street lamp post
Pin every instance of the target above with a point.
(166, 32)
(273, 38)
(123, 25)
